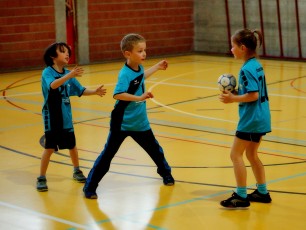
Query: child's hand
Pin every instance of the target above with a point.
(226, 97)
(162, 65)
(77, 71)
(146, 95)
(101, 91)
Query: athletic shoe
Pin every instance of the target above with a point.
(79, 176)
(235, 201)
(168, 180)
(90, 195)
(256, 196)
(41, 184)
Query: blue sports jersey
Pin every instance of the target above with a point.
(254, 116)
(130, 115)
(56, 109)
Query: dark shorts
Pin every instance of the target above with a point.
(59, 140)
(254, 137)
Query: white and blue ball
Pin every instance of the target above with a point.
(227, 82)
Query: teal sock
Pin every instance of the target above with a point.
(42, 177)
(262, 188)
(242, 191)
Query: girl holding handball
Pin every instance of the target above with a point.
(254, 119)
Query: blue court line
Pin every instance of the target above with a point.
(165, 206)
(125, 218)
(286, 178)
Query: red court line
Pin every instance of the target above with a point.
(185, 140)
(205, 143)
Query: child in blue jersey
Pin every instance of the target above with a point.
(129, 116)
(254, 122)
(58, 84)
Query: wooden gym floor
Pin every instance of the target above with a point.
(193, 127)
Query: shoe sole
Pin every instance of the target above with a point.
(80, 181)
(93, 197)
(257, 201)
(235, 208)
(42, 190)
(169, 184)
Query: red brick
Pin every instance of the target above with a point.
(28, 27)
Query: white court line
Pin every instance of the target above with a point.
(215, 88)
(184, 85)
(180, 111)
(191, 114)
(163, 82)
(40, 93)
(38, 214)
(287, 96)
(156, 83)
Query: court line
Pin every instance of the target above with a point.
(142, 165)
(40, 93)
(155, 83)
(38, 214)
(292, 96)
(215, 88)
(125, 217)
(161, 207)
(185, 85)
(191, 114)
(156, 102)
(173, 126)
(177, 110)
(286, 96)
(281, 95)
(182, 85)
(21, 95)
(69, 164)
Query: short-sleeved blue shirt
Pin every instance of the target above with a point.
(130, 116)
(56, 109)
(254, 116)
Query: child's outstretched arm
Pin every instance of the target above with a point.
(162, 65)
(76, 71)
(99, 91)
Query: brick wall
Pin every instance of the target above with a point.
(26, 28)
(167, 26)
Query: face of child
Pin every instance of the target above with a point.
(62, 56)
(237, 51)
(138, 54)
